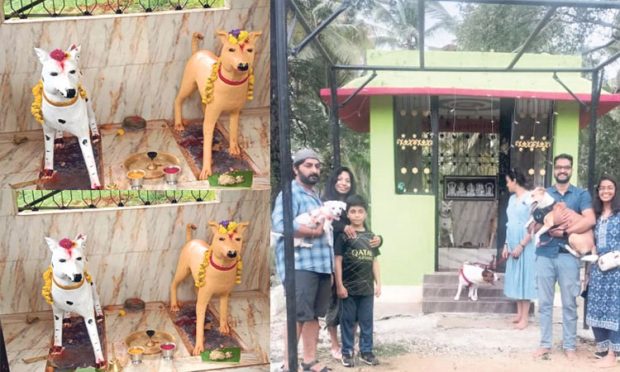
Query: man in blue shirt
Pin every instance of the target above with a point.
(314, 265)
(555, 264)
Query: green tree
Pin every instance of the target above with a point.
(394, 23)
(345, 42)
(504, 28)
(607, 148)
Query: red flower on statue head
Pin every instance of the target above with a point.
(58, 55)
(66, 243)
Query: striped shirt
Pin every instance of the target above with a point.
(320, 257)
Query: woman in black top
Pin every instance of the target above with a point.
(340, 185)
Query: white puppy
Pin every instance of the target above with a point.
(471, 276)
(328, 212)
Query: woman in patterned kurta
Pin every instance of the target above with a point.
(603, 311)
(519, 249)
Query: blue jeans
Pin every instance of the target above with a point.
(606, 339)
(358, 308)
(563, 269)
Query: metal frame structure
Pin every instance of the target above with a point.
(282, 55)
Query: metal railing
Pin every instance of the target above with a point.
(32, 201)
(23, 9)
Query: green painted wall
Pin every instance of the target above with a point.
(566, 134)
(406, 222)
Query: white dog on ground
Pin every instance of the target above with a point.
(61, 105)
(69, 288)
(471, 276)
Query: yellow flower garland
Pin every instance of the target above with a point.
(37, 111)
(47, 286)
(37, 92)
(48, 275)
(208, 96)
(203, 268)
(251, 84)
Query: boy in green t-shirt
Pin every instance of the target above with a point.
(357, 280)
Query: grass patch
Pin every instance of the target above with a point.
(390, 349)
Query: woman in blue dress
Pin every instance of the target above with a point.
(519, 249)
(603, 310)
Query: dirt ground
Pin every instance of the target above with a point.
(407, 340)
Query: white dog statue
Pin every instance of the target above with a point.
(69, 288)
(61, 105)
(471, 276)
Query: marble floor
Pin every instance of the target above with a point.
(249, 317)
(21, 156)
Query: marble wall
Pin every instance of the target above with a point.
(132, 64)
(131, 252)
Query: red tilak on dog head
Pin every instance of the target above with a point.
(67, 244)
(60, 56)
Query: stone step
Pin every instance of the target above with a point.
(451, 277)
(449, 290)
(495, 305)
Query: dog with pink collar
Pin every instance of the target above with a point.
(472, 276)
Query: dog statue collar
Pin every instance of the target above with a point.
(61, 104)
(221, 268)
(70, 286)
(228, 81)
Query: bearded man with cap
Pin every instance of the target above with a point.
(313, 266)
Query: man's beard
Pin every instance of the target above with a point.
(310, 180)
(562, 181)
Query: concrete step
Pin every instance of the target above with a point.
(450, 277)
(449, 290)
(483, 305)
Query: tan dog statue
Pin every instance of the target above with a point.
(224, 83)
(216, 268)
(551, 214)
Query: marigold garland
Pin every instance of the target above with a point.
(251, 84)
(203, 268)
(47, 285)
(200, 282)
(208, 96)
(48, 276)
(37, 92)
(209, 87)
(37, 111)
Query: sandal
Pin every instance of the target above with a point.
(336, 354)
(307, 367)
